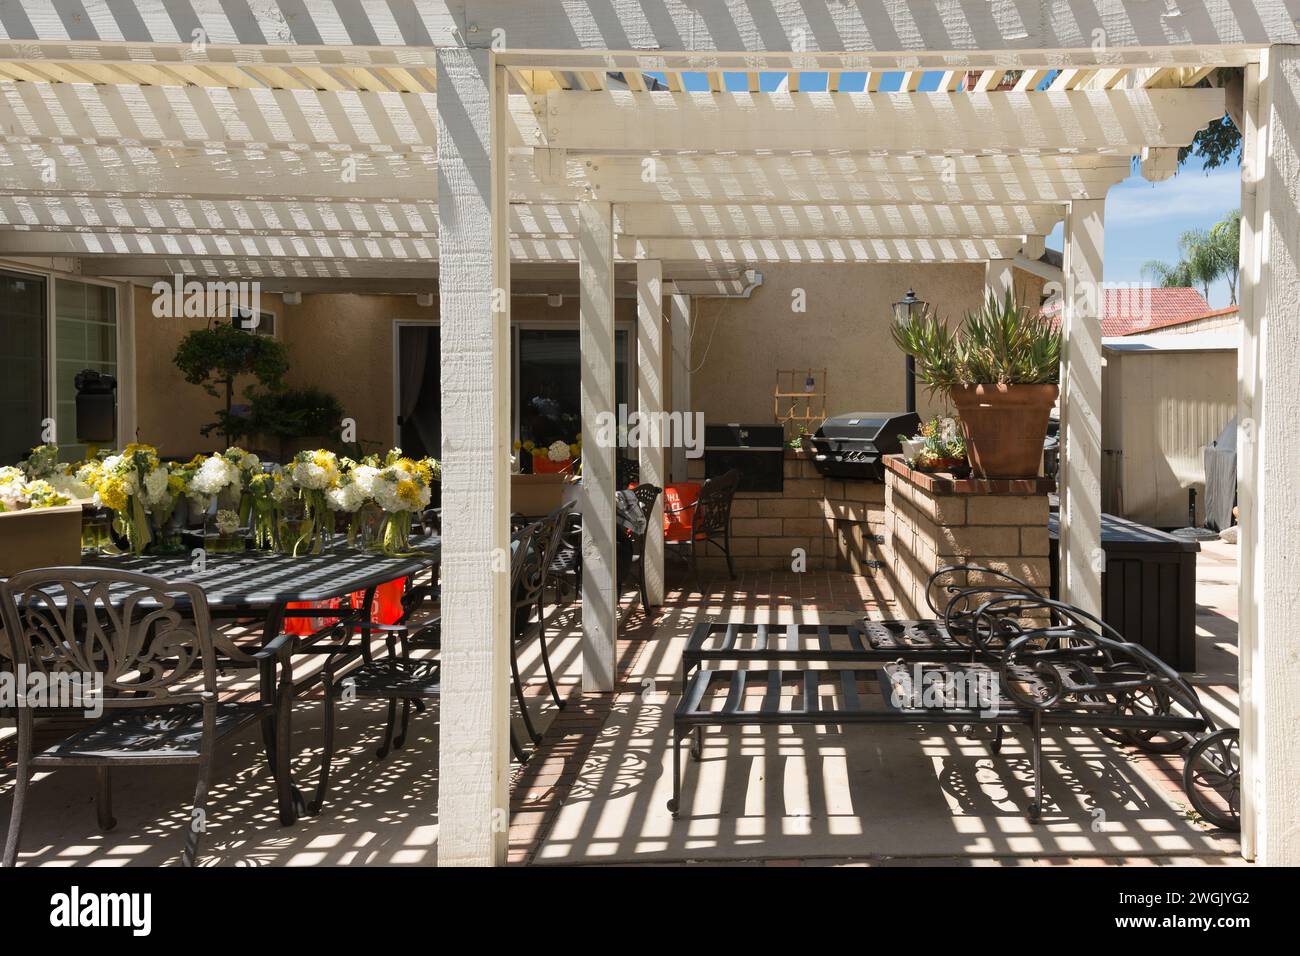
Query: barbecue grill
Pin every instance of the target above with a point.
(854, 445)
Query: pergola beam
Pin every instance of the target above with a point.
(796, 32)
(336, 220)
(820, 250)
(618, 121)
(289, 176)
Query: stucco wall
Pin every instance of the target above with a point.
(344, 343)
(169, 410)
(739, 344)
(341, 343)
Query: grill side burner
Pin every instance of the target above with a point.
(853, 446)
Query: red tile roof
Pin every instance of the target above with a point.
(1129, 310)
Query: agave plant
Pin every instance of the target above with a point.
(1003, 343)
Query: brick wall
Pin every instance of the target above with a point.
(839, 525)
(932, 521)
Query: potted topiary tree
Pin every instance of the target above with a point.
(216, 356)
(1000, 369)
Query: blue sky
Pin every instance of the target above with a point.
(1143, 220)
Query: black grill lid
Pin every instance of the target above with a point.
(868, 426)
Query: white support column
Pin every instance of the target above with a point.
(1254, 193)
(999, 278)
(596, 343)
(473, 748)
(1269, 452)
(680, 327)
(650, 406)
(1082, 559)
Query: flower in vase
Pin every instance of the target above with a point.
(396, 490)
(558, 451)
(215, 475)
(227, 522)
(347, 496)
(314, 470)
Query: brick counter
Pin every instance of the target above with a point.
(936, 520)
(840, 525)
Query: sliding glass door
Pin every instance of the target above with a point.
(23, 350)
(419, 389)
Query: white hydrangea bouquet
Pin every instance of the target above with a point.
(20, 493)
(303, 501)
(402, 487)
(351, 499)
(132, 484)
(219, 478)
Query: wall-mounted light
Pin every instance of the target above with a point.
(424, 300)
(555, 300)
(292, 298)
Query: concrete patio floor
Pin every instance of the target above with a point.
(595, 790)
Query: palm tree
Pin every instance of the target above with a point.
(1207, 255)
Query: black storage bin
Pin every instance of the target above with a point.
(756, 451)
(1148, 591)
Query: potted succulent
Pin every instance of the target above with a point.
(940, 446)
(1000, 369)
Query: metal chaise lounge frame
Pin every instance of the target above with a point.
(1070, 669)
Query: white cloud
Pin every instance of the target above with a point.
(1191, 195)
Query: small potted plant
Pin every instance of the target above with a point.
(940, 446)
(1000, 369)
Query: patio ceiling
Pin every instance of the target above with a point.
(333, 166)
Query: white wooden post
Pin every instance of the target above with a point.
(1269, 450)
(650, 406)
(1082, 558)
(1254, 152)
(596, 341)
(680, 327)
(999, 277)
(474, 712)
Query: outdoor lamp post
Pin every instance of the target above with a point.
(904, 309)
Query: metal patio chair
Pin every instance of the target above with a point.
(646, 496)
(152, 644)
(710, 519)
(399, 678)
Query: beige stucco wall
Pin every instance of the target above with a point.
(739, 344)
(344, 344)
(337, 342)
(169, 410)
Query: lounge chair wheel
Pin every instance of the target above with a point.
(300, 804)
(1035, 813)
(996, 745)
(673, 807)
(1212, 778)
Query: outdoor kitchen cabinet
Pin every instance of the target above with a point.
(1148, 590)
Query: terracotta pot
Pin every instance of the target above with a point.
(1005, 426)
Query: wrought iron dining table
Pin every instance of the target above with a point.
(262, 585)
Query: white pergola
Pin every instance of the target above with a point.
(472, 145)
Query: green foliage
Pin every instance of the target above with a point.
(1207, 255)
(293, 413)
(1217, 145)
(214, 357)
(1002, 343)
